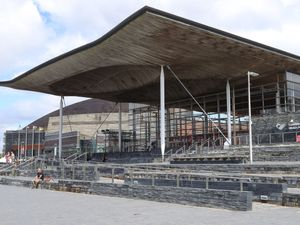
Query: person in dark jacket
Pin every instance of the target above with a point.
(38, 179)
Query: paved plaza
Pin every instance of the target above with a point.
(23, 206)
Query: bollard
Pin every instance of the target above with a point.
(84, 172)
(131, 176)
(112, 175)
(62, 173)
(62, 170)
(73, 172)
(96, 173)
(153, 179)
(177, 180)
(241, 185)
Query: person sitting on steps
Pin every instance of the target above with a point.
(38, 179)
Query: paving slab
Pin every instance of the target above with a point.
(23, 206)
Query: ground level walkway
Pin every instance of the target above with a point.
(42, 207)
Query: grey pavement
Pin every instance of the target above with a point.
(23, 206)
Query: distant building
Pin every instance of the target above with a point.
(82, 123)
(26, 142)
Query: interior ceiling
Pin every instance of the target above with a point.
(124, 65)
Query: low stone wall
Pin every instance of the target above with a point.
(268, 173)
(233, 200)
(289, 199)
(76, 172)
(273, 191)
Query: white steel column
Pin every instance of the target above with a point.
(26, 142)
(249, 111)
(60, 127)
(228, 112)
(19, 154)
(39, 142)
(250, 120)
(120, 128)
(162, 112)
(32, 142)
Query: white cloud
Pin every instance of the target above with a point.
(22, 32)
(27, 107)
(35, 31)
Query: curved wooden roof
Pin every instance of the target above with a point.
(124, 64)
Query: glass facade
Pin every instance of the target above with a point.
(293, 91)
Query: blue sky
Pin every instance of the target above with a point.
(34, 31)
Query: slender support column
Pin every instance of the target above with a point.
(205, 125)
(168, 128)
(26, 143)
(32, 142)
(250, 120)
(60, 128)
(162, 112)
(234, 116)
(228, 112)
(19, 142)
(180, 124)
(134, 111)
(263, 99)
(193, 124)
(218, 110)
(120, 128)
(39, 143)
(149, 130)
(278, 108)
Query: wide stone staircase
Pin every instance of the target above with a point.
(234, 154)
(270, 182)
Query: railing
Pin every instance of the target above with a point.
(204, 143)
(154, 176)
(192, 149)
(81, 155)
(15, 165)
(269, 138)
(71, 156)
(196, 148)
(218, 143)
(180, 150)
(169, 154)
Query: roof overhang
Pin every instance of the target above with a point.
(124, 64)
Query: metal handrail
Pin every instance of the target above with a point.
(77, 157)
(192, 174)
(189, 150)
(15, 166)
(255, 138)
(181, 149)
(169, 152)
(206, 177)
(215, 140)
(70, 156)
(203, 143)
